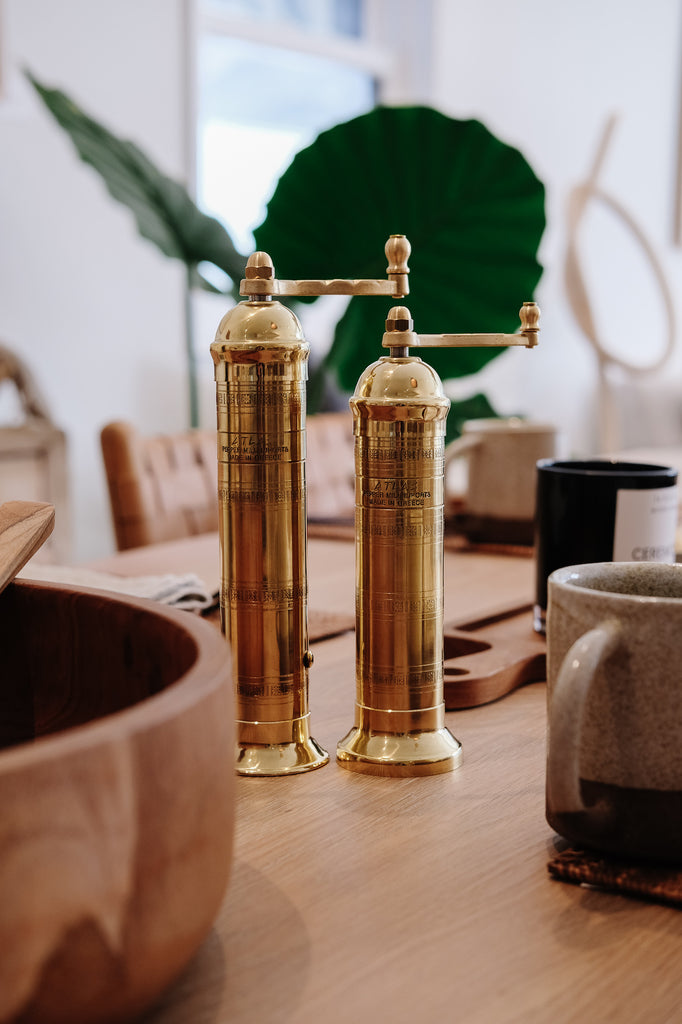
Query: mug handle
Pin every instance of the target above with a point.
(460, 446)
(569, 696)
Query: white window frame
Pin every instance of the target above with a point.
(395, 50)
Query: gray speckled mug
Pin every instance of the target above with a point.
(614, 702)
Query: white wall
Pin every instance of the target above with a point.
(95, 311)
(98, 312)
(544, 77)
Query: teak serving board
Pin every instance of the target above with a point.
(491, 656)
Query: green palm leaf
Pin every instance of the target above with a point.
(164, 212)
(470, 205)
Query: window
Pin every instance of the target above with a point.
(272, 74)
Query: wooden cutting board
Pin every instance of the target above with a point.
(489, 657)
(484, 659)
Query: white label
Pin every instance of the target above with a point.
(646, 521)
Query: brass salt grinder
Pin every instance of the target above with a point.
(399, 412)
(261, 368)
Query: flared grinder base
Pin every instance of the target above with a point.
(399, 754)
(300, 754)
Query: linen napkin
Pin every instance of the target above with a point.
(185, 591)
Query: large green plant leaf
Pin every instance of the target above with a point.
(470, 205)
(476, 407)
(164, 212)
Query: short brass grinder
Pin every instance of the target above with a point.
(399, 413)
(261, 367)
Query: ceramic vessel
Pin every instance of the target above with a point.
(614, 759)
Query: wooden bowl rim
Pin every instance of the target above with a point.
(210, 671)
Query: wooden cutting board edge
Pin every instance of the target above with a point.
(471, 680)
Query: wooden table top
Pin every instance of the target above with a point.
(424, 900)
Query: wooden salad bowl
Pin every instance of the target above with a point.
(116, 799)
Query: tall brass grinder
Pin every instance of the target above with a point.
(399, 412)
(261, 368)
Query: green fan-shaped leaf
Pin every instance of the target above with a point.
(470, 205)
(475, 407)
(164, 212)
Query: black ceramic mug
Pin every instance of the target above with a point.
(601, 510)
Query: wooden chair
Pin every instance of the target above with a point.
(165, 487)
(160, 488)
(330, 473)
(33, 454)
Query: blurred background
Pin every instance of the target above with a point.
(222, 93)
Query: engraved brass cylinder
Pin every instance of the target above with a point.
(399, 412)
(261, 367)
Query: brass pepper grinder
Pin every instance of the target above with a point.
(399, 413)
(261, 369)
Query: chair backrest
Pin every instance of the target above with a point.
(330, 474)
(160, 488)
(165, 487)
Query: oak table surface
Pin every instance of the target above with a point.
(414, 900)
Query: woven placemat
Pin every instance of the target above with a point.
(454, 542)
(321, 625)
(657, 883)
(332, 529)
